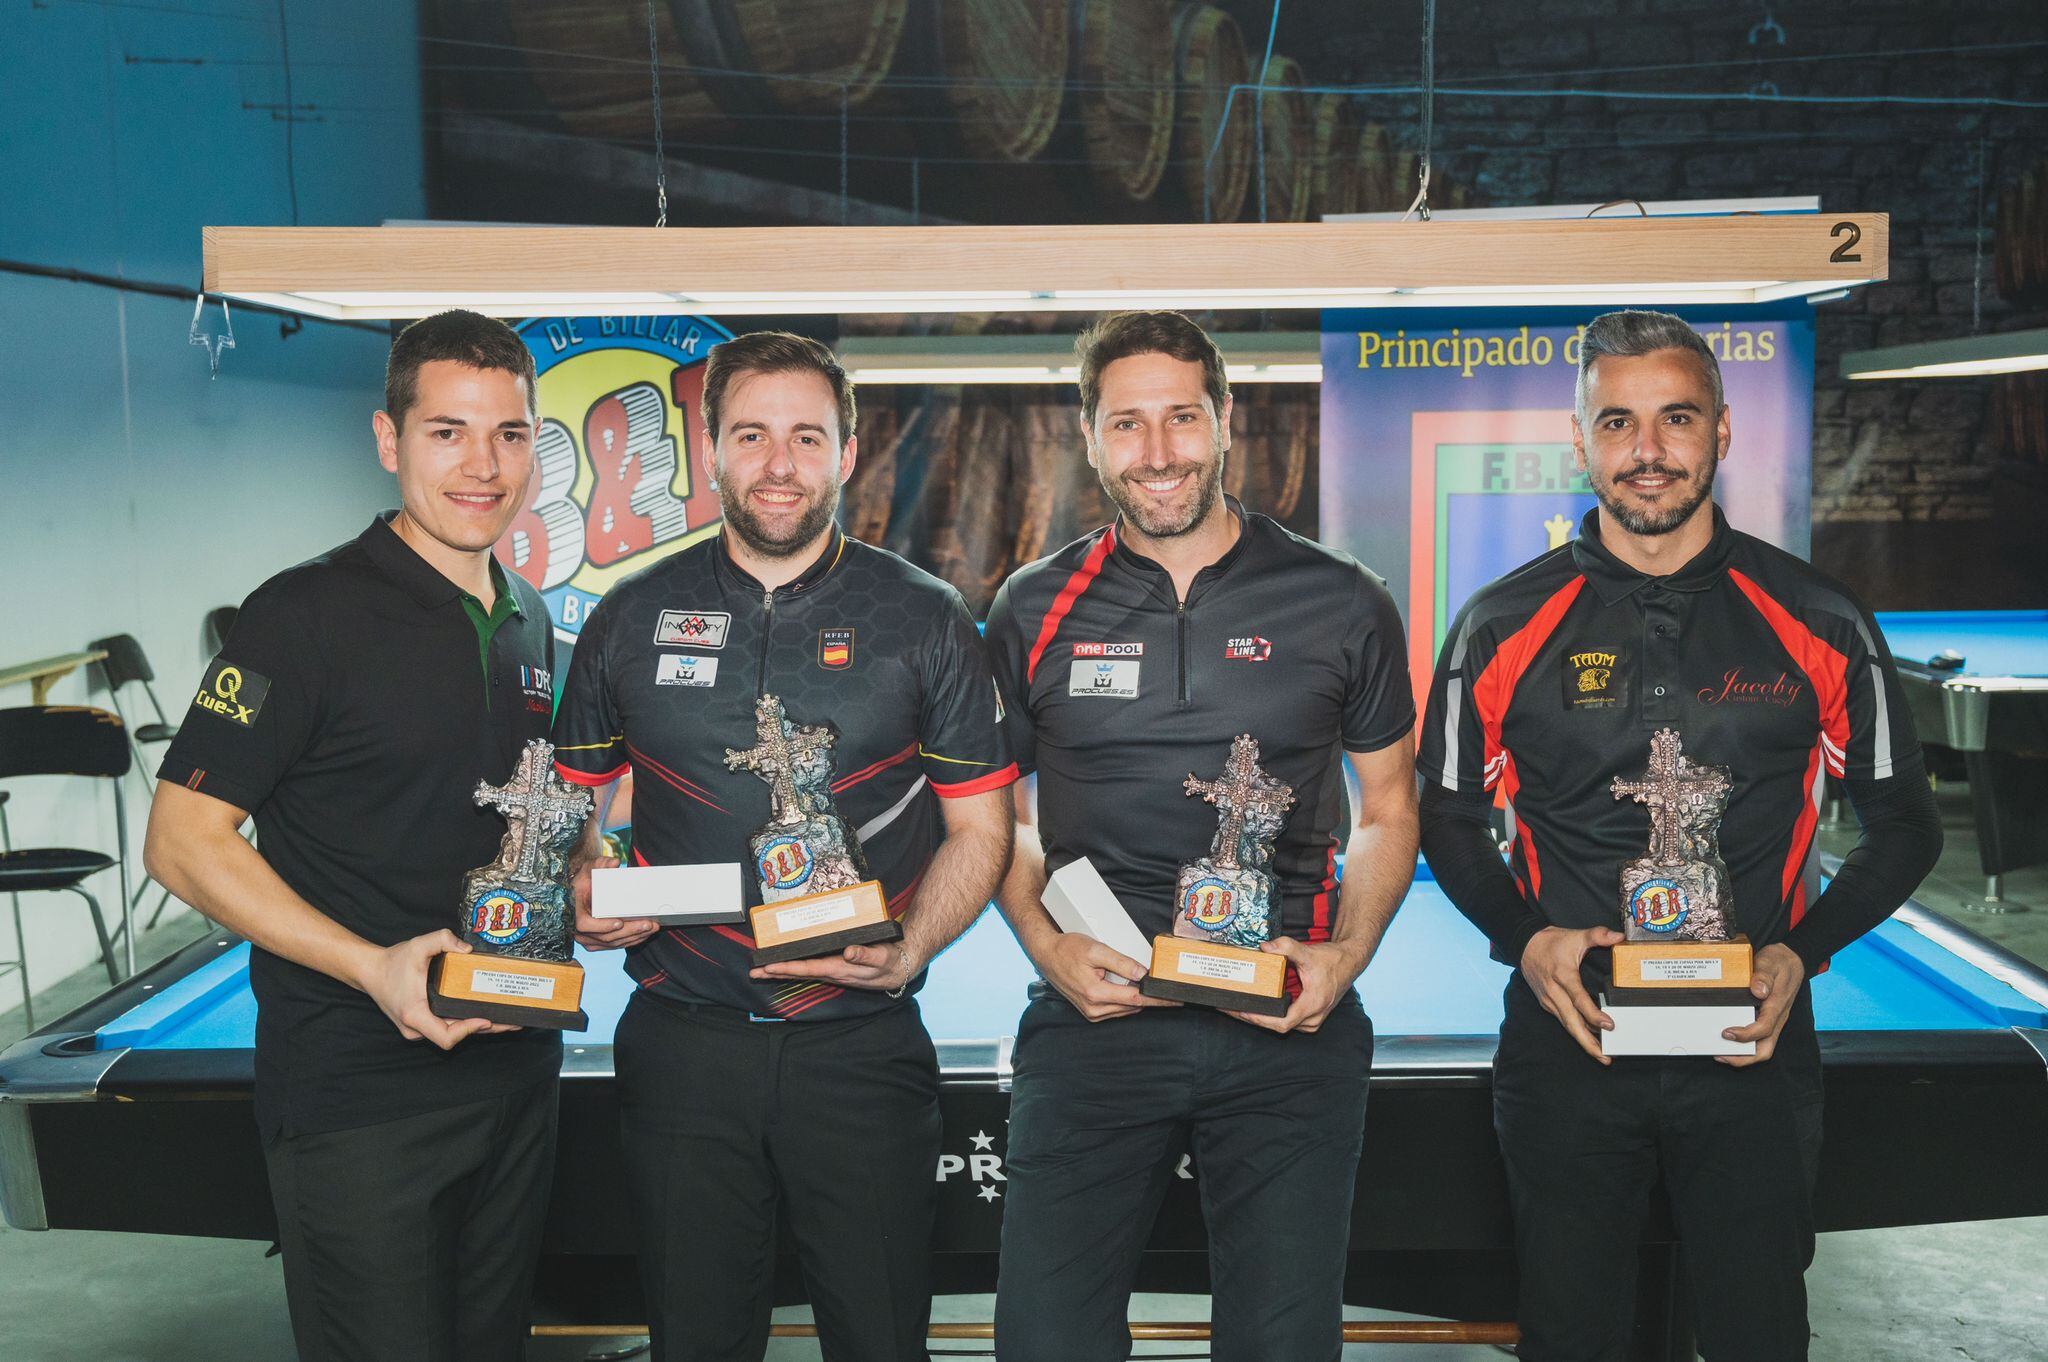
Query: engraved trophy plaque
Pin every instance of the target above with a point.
(517, 913)
(816, 896)
(1223, 902)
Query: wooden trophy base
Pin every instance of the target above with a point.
(1215, 975)
(1683, 966)
(822, 924)
(504, 988)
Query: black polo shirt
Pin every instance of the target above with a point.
(663, 682)
(354, 707)
(1116, 691)
(1554, 677)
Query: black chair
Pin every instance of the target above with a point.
(214, 631)
(52, 740)
(124, 665)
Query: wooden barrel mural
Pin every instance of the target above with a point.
(1123, 90)
(1287, 118)
(762, 55)
(2020, 239)
(1208, 60)
(1375, 170)
(1002, 65)
(584, 62)
(1336, 178)
(1402, 184)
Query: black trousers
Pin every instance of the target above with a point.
(1585, 1146)
(836, 1122)
(1100, 1115)
(415, 1240)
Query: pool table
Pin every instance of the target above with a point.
(133, 1114)
(1983, 715)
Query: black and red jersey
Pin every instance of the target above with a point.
(1553, 679)
(663, 682)
(1116, 691)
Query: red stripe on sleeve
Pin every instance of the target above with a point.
(994, 780)
(845, 783)
(1826, 668)
(571, 774)
(1064, 602)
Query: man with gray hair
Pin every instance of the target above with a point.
(1661, 616)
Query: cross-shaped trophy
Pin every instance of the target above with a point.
(1223, 902)
(1680, 975)
(517, 913)
(816, 896)
(1679, 892)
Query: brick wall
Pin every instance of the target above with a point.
(1915, 499)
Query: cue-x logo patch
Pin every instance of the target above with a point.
(618, 478)
(234, 693)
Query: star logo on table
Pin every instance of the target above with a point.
(989, 1194)
(984, 1140)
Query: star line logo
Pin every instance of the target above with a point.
(1247, 648)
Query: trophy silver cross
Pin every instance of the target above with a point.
(805, 847)
(1680, 890)
(1227, 896)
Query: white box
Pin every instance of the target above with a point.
(673, 895)
(1080, 902)
(1675, 1028)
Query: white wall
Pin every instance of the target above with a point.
(136, 493)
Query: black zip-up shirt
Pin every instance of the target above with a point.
(1116, 691)
(664, 680)
(1553, 679)
(353, 708)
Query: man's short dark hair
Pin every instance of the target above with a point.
(1634, 332)
(1123, 334)
(468, 338)
(774, 352)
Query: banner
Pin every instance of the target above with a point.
(619, 478)
(1447, 458)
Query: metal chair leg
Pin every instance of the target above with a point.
(99, 926)
(163, 901)
(28, 1004)
(127, 904)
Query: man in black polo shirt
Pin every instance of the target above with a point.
(1763, 666)
(358, 701)
(1214, 621)
(811, 1083)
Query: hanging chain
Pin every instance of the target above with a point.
(660, 152)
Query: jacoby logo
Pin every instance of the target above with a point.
(1738, 687)
(614, 484)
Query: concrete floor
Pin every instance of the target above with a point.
(1945, 1293)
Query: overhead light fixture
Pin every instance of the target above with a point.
(1248, 357)
(2014, 352)
(398, 272)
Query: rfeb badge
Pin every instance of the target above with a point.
(234, 693)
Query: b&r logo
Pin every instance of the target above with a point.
(618, 481)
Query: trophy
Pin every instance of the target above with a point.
(517, 916)
(1223, 903)
(1677, 909)
(816, 897)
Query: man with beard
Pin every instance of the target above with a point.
(1212, 621)
(810, 1084)
(353, 708)
(1551, 683)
